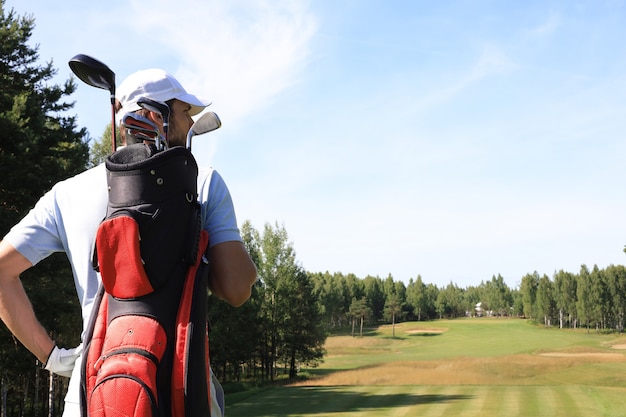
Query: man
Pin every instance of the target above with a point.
(67, 217)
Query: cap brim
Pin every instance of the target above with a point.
(197, 104)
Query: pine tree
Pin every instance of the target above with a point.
(39, 145)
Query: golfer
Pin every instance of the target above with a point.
(66, 219)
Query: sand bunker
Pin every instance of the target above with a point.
(425, 331)
(582, 355)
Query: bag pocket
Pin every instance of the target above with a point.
(120, 262)
(126, 382)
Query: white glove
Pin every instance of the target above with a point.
(61, 361)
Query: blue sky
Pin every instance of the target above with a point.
(456, 140)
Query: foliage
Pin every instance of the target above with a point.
(101, 148)
(280, 326)
(359, 311)
(39, 146)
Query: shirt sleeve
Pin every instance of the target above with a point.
(218, 211)
(36, 236)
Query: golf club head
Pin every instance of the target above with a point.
(93, 72)
(208, 122)
(139, 129)
(156, 107)
(97, 74)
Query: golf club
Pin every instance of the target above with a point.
(208, 122)
(141, 128)
(96, 74)
(156, 107)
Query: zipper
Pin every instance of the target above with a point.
(125, 351)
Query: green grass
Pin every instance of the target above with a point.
(469, 367)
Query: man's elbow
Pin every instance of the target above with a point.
(238, 288)
(245, 287)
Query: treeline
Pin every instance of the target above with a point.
(280, 328)
(284, 324)
(591, 299)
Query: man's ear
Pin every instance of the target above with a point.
(155, 117)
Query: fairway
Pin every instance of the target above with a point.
(466, 367)
(431, 401)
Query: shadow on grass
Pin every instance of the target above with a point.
(290, 401)
(345, 331)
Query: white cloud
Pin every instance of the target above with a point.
(240, 54)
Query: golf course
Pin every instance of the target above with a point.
(483, 367)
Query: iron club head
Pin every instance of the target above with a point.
(208, 122)
(156, 107)
(139, 129)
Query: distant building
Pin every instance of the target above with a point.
(479, 309)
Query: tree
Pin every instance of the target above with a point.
(599, 296)
(528, 289)
(39, 146)
(450, 301)
(375, 297)
(615, 278)
(498, 296)
(416, 296)
(101, 148)
(565, 297)
(393, 307)
(359, 309)
(232, 330)
(545, 300)
(471, 297)
(584, 305)
(287, 306)
(330, 296)
(301, 330)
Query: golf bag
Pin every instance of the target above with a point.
(146, 348)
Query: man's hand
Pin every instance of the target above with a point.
(61, 361)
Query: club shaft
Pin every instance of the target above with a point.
(113, 129)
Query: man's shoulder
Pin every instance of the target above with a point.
(82, 185)
(89, 176)
(205, 172)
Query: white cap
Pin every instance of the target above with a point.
(157, 85)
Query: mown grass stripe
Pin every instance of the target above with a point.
(469, 368)
(427, 400)
(472, 400)
(510, 402)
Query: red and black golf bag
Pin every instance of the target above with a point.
(146, 348)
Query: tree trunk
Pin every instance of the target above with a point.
(292, 364)
(51, 396)
(3, 384)
(361, 332)
(36, 393)
(26, 393)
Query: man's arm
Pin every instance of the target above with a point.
(16, 310)
(232, 272)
